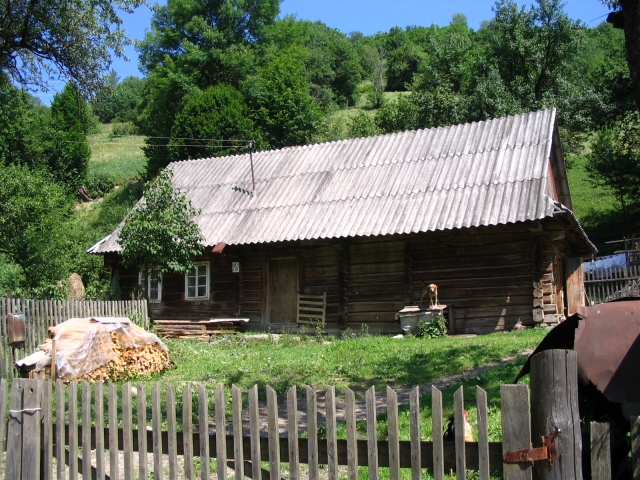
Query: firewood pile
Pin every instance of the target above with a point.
(131, 362)
(98, 349)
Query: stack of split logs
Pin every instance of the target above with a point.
(197, 329)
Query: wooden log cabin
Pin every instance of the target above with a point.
(350, 231)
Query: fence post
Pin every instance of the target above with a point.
(554, 402)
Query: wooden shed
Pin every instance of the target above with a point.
(357, 227)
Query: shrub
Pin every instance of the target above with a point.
(436, 328)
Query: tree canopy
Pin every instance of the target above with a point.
(67, 39)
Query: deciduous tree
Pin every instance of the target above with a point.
(159, 233)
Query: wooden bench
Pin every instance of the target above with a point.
(312, 309)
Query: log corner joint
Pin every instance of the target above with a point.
(547, 451)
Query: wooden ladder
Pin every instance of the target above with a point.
(312, 309)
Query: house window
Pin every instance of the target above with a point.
(197, 282)
(152, 285)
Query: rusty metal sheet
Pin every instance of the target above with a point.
(16, 329)
(607, 341)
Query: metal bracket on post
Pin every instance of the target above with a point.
(547, 451)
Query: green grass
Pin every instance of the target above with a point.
(118, 158)
(356, 363)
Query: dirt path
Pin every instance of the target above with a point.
(381, 399)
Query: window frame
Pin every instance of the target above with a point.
(147, 285)
(207, 283)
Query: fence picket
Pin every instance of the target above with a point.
(312, 432)
(99, 421)
(187, 429)
(352, 442)
(127, 430)
(141, 411)
(600, 451)
(13, 465)
(274, 434)
(372, 434)
(483, 434)
(332, 437)
(73, 430)
(516, 428)
(203, 431)
(394, 434)
(172, 431)
(438, 446)
(292, 431)
(47, 426)
(112, 410)
(60, 427)
(4, 390)
(458, 419)
(86, 430)
(156, 426)
(221, 432)
(238, 454)
(254, 431)
(414, 415)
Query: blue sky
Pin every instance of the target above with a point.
(366, 16)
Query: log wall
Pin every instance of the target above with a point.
(496, 278)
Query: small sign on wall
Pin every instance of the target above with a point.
(235, 267)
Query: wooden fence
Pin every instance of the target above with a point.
(608, 284)
(42, 314)
(63, 431)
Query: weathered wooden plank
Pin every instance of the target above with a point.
(372, 434)
(73, 430)
(273, 427)
(31, 417)
(127, 429)
(86, 429)
(221, 429)
(99, 424)
(47, 427)
(516, 428)
(203, 431)
(438, 447)
(394, 434)
(156, 426)
(254, 430)
(414, 415)
(112, 408)
(483, 434)
(60, 430)
(187, 428)
(238, 454)
(172, 429)
(554, 393)
(4, 389)
(332, 445)
(312, 431)
(13, 466)
(458, 419)
(292, 431)
(600, 438)
(352, 444)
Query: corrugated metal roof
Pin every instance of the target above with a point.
(483, 173)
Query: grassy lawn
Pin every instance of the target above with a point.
(118, 158)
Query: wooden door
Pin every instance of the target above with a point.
(283, 290)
